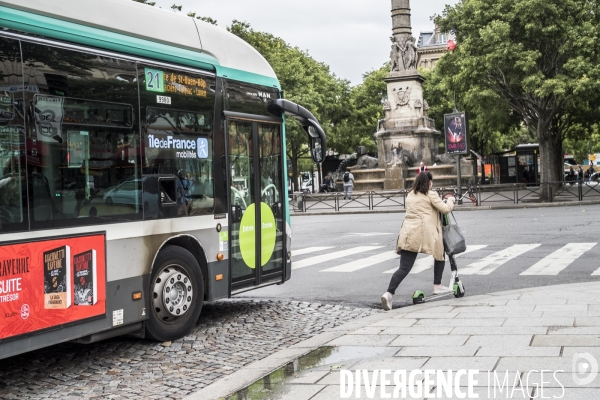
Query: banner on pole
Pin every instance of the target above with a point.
(456, 132)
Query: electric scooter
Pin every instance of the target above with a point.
(458, 289)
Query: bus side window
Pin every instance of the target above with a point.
(178, 135)
(84, 153)
(13, 186)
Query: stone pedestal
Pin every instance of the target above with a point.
(406, 126)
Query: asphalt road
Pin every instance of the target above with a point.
(509, 249)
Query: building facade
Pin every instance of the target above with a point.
(430, 47)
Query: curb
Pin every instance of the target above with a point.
(457, 208)
(249, 374)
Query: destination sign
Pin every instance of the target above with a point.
(165, 82)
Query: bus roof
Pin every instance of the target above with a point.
(125, 25)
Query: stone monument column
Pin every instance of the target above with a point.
(406, 127)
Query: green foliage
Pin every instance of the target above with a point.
(208, 19)
(364, 111)
(177, 8)
(150, 3)
(205, 19)
(537, 58)
(493, 126)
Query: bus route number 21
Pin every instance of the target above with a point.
(154, 80)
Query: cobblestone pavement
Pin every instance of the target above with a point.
(229, 335)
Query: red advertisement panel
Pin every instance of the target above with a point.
(456, 133)
(51, 282)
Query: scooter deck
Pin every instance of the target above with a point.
(420, 297)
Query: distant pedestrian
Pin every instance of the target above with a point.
(580, 173)
(423, 167)
(348, 179)
(590, 171)
(421, 232)
(571, 174)
(526, 175)
(326, 185)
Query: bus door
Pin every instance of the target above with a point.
(255, 177)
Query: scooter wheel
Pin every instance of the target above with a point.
(460, 293)
(419, 299)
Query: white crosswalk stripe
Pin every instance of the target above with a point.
(332, 256)
(308, 250)
(363, 262)
(488, 264)
(559, 260)
(425, 263)
(550, 265)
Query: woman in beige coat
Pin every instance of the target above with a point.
(421, 232)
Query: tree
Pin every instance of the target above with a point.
(304, 81)
(492, 125)
(365, 109)
(539, 57)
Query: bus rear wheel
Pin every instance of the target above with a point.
(176, 294)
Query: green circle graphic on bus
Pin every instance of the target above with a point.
(248, 236)
(269, 233)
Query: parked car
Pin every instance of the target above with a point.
(128, 193)
(307, 186)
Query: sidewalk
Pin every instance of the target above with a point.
(516, 333)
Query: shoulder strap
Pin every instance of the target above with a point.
(455, 223)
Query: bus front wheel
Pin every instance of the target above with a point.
(176, 294)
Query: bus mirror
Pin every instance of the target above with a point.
(236, 214)
(316, 136)
(316, 148)
(168, 192)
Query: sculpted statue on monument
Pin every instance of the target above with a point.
(395, 60)
(403, 57)
(409, 54)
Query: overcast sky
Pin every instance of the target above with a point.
(351, 36)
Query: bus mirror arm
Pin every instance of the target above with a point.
(316, 134)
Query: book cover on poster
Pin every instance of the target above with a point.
(57, 278)
(85, 282)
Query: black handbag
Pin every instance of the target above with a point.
(454, 241)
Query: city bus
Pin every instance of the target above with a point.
(124, 131)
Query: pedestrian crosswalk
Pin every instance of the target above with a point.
(489, 264)
(478, 259)
(559, 260)
(332, 256)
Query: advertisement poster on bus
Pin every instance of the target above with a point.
(51, 282)
(456, 132)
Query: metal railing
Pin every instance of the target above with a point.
(484, 195)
